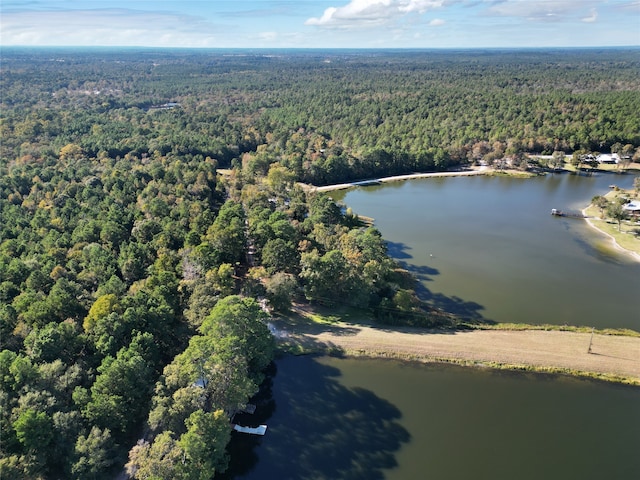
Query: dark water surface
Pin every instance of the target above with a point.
(487, 248)
(375, 419)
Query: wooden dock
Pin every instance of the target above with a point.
(559, 213)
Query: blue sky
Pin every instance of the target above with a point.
(321, 24)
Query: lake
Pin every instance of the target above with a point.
(487, 248)
(345, 419)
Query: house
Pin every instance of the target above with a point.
(632, 208)
(608, 158)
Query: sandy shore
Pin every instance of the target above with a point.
(592, 221)
(397, 178)
(559, 351)
(616, 245)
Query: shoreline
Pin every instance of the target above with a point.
(611, 358)
(511, 367)
(462, 173)
(397, 178)
(635, 255)
(472, 171)
(614, 242)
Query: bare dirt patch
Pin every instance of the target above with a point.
(617, 356)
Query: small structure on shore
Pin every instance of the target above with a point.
(259, 430)
(559, 213)
(250, 409)
(632, 208)
(611, 158)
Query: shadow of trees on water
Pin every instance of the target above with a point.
(319, 429)
(398, 250)
(468, 311)
(463, 309)
(242, 448)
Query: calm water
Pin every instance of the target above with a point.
(487, 248)
(372, 419)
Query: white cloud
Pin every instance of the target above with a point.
(105, 27)
(327, 17)
(541, 10)
(593, 16)
(420, 6)
(371, 12)
(436, 22)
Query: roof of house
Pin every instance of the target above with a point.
(608, 157)
(632, 206)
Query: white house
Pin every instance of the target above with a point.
(632, 208)
(608, 158)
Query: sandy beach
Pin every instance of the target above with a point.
(631, 249)
(397, 178)
(554, 351)
(616, 245)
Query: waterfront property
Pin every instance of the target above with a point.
(632, 208)
(608, 158)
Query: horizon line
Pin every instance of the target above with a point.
(165, 47)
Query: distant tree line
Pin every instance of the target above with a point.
(326, 116)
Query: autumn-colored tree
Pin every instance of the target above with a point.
(71, 151)
(102, 307)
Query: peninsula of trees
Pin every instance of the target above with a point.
(131, 271)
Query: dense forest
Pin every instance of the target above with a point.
(325, 116)
(136, 280)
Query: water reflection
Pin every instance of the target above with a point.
(487, 249)
(373, 419)
(242, 448)
(321, 429)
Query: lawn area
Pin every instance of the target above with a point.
(628, 236)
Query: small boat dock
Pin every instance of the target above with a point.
(259, 430)
(250, 409)
(559, 213)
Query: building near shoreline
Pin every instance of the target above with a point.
(632, 208)
(608, 158)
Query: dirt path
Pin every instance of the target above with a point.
(558, 350)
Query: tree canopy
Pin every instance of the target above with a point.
(149, 199)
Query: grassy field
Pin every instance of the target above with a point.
(611, 357)
(627, 236)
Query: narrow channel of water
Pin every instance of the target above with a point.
(376, 419)
(487, 248)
